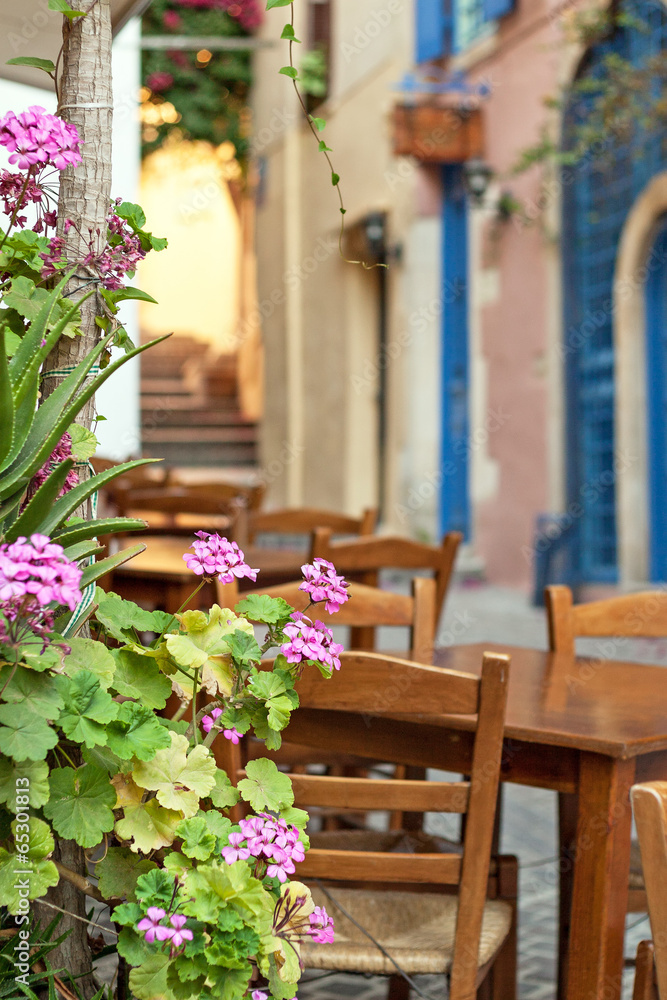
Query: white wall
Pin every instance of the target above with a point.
(118, 400)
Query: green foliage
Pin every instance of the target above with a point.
(211, 96)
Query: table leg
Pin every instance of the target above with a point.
(600, 890)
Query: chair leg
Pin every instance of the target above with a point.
(399, 988)
(644, 985)
(503, 973)
(567, 840)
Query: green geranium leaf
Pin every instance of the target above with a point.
(25, 737)
(88, 708)
(206, 646)
(81, 804)
(265, 786)
(177, 864)
(102, 757)
(218, 825)
(155, 888)
(198, 841)
(31, 871)
(134, 214)
(119, 617)
(35, 692)
(136, 733)
(243, 647)
(127, 914)
(149, 981)
(87, 654)
(39, 659)
(223, 795)
(84, 442)
(180, 779)
(29, 778)
(139, 677)
(132, 946)
(24, 296)
(149, 826)
(262, 608)
(118, 872)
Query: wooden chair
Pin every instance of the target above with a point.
(644, 987)
(405, 903)
(640, 615)
(649, 804)
(182, 510)
(369, 555)
(372, 607)
(304, 520)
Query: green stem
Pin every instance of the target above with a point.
(195, 731)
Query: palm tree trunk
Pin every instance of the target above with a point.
(85, 100)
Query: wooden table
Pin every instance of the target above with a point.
(159, 575)
(587, 727)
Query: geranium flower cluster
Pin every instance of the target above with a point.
(295, 918)
(267, 839)
(215, 556)
(40, 144)
(34, 573)
(36, 139)
(119, 256)
(155, 930)
(62, 451)
(209, 721)
(323, 584)
(310, 642)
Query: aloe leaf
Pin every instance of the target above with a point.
(100, 526)
(51, 421)
(7, 412)
(94, 572)
(33, 337)
(24, 417)
(81, 550)
(22, 385)
(32, 518)
(69, 503)
(66, 417)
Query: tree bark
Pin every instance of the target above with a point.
(85, 100)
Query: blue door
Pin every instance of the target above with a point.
(598, 193)
(454, 495)
(656, 382)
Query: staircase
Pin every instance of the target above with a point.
(189, 407)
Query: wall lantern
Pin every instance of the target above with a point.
(477, 176)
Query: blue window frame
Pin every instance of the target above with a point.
(597, 196)
(446, 26)
(656, 381)
(454, 450)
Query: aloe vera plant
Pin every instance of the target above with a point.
(31, 432)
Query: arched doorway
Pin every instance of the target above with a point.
(656, 400)
(598, 193)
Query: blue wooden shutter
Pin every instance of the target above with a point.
(493, 9)
(429, 30)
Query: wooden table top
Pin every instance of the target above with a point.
(604, 706)
(163, 557)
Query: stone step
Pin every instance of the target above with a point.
(243, 433)
(188, 403)
(165, 416)
(203, 453)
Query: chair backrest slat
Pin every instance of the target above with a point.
(377, 793)
(377, 866)
(370, 606)
(649, 803)
(640, 615)
(304, 520)
(371, 554)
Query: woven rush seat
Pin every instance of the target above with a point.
(417, 929)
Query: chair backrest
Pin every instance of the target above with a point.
(353, 711)
(649, 803)
(369, 555)
(304, 520)
(143, 477)
(253, 496)
(640, 615)
(371, 607)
